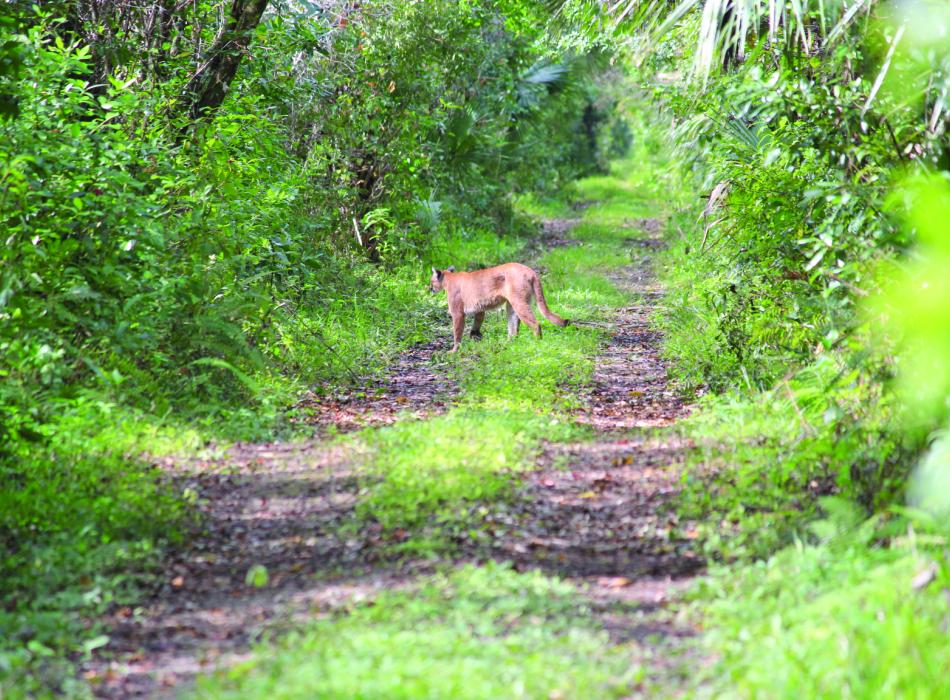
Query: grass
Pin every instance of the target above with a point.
(765, 458)
(812, 597)
(80, 535)
(429, 470)
(474, 633)
(839, 618)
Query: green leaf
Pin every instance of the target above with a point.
(95, 643)
(257, 576)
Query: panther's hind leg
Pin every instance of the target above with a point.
(513, 321)
(477, 325)
(525, 313)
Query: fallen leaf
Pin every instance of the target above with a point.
(613, 581)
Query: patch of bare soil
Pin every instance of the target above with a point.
(413, 387)
(594, 512)
(553, 234)
(280, 506)
(629, 388)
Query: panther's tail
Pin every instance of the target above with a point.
(543, 305)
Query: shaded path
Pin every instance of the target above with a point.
(289, 507)
(593, 511)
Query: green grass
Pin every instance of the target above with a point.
(78, 535)
(429, 470)
(836, 619)
(543, 207)
(764, 459)
(473, 634)
(833, 613)
(85, 517)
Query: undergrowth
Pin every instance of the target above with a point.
(822, 585)
(858, 611)
(763, 460)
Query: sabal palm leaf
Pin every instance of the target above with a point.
(539, 80)
(728, 26)
(544, 73)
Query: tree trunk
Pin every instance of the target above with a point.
(206, 90)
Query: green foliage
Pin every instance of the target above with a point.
(763, 462)
(187, 273)
(913, 301)
(793, 300)
(796, 158)
(913, 307)
(160, 270)
(80, 528)
(478, 632)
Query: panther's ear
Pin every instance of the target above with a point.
(451, 268)
(435, 272)
(439, 274)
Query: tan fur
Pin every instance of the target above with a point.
(474, 293)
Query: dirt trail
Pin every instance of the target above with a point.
(593, 512)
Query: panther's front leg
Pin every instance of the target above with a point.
(458, 328)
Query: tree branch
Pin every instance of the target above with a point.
(208, 87)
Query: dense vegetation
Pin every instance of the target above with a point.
(805, 295)
(210, 208)
(194, 234)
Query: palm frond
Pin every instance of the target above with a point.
(539, 80)
(544, 73)
(728, 27)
